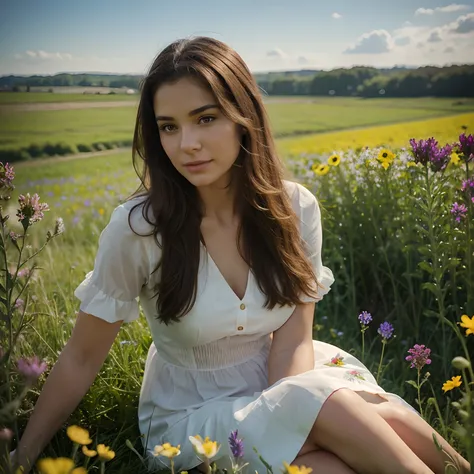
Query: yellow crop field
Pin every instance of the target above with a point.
(445, 129)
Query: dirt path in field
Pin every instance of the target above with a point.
(58, 159)
(34, 107)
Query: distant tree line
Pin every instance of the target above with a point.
(449, 81)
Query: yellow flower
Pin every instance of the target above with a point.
(78, 435)
(167, 450)
(467, 323)
(104, 452)
(59, 466)
(296, 470)
(206, 448)
(453, 383)
(410, 164)
(101, 211)
(385, 155)
(455, 158)
(385, 164)
(90, 453)
(334, 160)
(321, 170)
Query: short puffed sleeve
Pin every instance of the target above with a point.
(110, 291)
(307, 207)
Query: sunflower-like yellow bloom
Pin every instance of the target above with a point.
(453, 383)
(334, 160)
(385, 155)
(468, 323)
(59, 466)
(321, 170)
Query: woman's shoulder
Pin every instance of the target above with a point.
(302, 199)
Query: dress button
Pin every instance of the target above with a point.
(242, 306)
(240, 328)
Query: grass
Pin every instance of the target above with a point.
(299, 116)
(44, 97)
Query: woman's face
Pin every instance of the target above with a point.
(200, 141)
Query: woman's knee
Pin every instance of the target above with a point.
(393, 413)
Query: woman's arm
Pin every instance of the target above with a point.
(292, 347)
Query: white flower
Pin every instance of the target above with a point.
(206, 448)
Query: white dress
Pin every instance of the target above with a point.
(207, 374)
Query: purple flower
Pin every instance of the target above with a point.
(466, 146)
(427, 152)
(385, 330)
(6, 176)
(365, 318)
(236, 445)
(31, 368)
(419, 356)
(31, 208)
(459, 211)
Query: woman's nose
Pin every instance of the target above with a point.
(190, 140)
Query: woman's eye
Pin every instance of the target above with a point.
(166, 128)
(207, 119)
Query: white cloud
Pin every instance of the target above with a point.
(336, 16)
(303, 60)
(375, 42)
(276, 53)
(402, 40)
(40, 54)
(454, 7)
(434, 37)
(464, 24)
(449, 49)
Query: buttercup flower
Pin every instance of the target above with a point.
(236, 445)
(454, 158)
(290, 469)
(105, 453)
(167, 450)
(59, 466)
(206, 447)
(334, 160)
(90, 453)
(467, 323)
(78, 435)
(419, 356)
(385, 330)
(453, 383)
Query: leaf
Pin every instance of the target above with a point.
(430, 314)
(432, 287)
(424, 265)
(412, 383)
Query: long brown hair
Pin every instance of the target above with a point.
(269, 238)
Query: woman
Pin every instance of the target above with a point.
(225, 258)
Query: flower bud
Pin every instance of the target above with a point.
(461, 363)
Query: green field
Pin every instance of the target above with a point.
(44, 97)
(289, 117)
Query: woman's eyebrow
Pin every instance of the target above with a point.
(193, 112)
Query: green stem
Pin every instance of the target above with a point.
(419, 395)
(102, 467)
(363, 345)
(381, 358)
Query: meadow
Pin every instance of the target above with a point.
(398, 246)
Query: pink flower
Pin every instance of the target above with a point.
(31, 208)
(419, 356)
(6, 176)
(459, 211)
(31, 368)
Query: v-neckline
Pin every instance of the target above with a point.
(209, 256)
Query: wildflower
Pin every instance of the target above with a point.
(31, 210)
(105, 453)
(385, 156)
(459, 211)
(365, 318)
(440, 159)
(19, 304)
(236, 445)
(7, 176)
(31, 368)
(321, 170)
(206, 447)
(90, 453)
(78, 435)
(59, 226)
(467, 187)
(59, 466)
(410, 164)
(334, 160)
(453, 383)
(466, 146)
(385, 330)
(454, 158)
(419, 356)
(167, 450)
(427, 152)
(467, 323)
(291, 469)
(14, 236)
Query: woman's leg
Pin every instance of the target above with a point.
(322, 462)
(418, 435)
(350, 428)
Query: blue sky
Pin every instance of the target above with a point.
(123, 36)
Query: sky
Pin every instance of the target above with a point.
(124, 36)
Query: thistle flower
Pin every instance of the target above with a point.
(459, 211)
(31, 368)
(385, 330)
(365, 318)
(419, 356)
(31, 210)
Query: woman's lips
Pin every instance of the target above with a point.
(197, 165)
